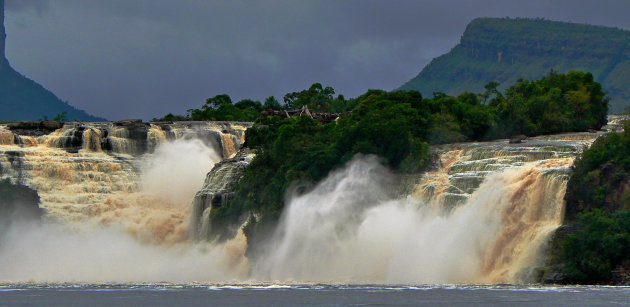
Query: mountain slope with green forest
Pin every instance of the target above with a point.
(504, 50)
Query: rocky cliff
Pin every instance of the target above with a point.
(217, 190)
(18, 204)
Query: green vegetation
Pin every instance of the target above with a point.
(300, 149)
(555, 103)
(601, 244)
(504, 49)
(221, 108)
(61, 117)
(170, 118)
(317, 98)
(598, 207)
(599, 175)
(398, 127)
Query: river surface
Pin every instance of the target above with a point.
(308, 295)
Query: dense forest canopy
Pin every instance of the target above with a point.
(396, 126)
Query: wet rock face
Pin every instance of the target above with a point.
(130, 137)
(34, 128)
(18, 204)
(135, 128)
(517, 139)
(217, 190)
(127, 136)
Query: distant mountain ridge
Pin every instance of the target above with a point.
(24, 99)
(505, 49)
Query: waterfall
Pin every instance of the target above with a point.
(349, 230)
(483, 214)
(117, 201)
(87, 170)
(216, 191)
(122, 201)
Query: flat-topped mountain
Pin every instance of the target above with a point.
(504, 50)
(24, 99)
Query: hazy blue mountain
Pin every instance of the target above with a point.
(504, 50)
(23, 99)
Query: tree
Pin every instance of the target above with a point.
(249, 104)
(61, 117)
(217, 101)
(491, 91)
(271, 103)
(317, 98)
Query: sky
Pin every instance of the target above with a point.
(123, 59)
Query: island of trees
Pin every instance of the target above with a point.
(399, 127)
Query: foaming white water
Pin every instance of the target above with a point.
(176, 171)
(130, 237)
(349, 228)
(159, 212)
(345, 230)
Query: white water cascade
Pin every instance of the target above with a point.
(483, 214)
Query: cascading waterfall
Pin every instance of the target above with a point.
(347, 230)
(117, 213)
(482, 215)
(87, 170)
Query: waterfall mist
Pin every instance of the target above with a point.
(346, 230)
(176, 170)
(351, 227)
(132, 237)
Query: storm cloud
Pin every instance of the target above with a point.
(145, 58)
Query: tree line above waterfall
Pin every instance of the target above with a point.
(396, 126)
(553, 104)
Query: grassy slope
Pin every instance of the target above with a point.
(529, 48)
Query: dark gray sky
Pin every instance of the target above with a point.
(145, 58)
